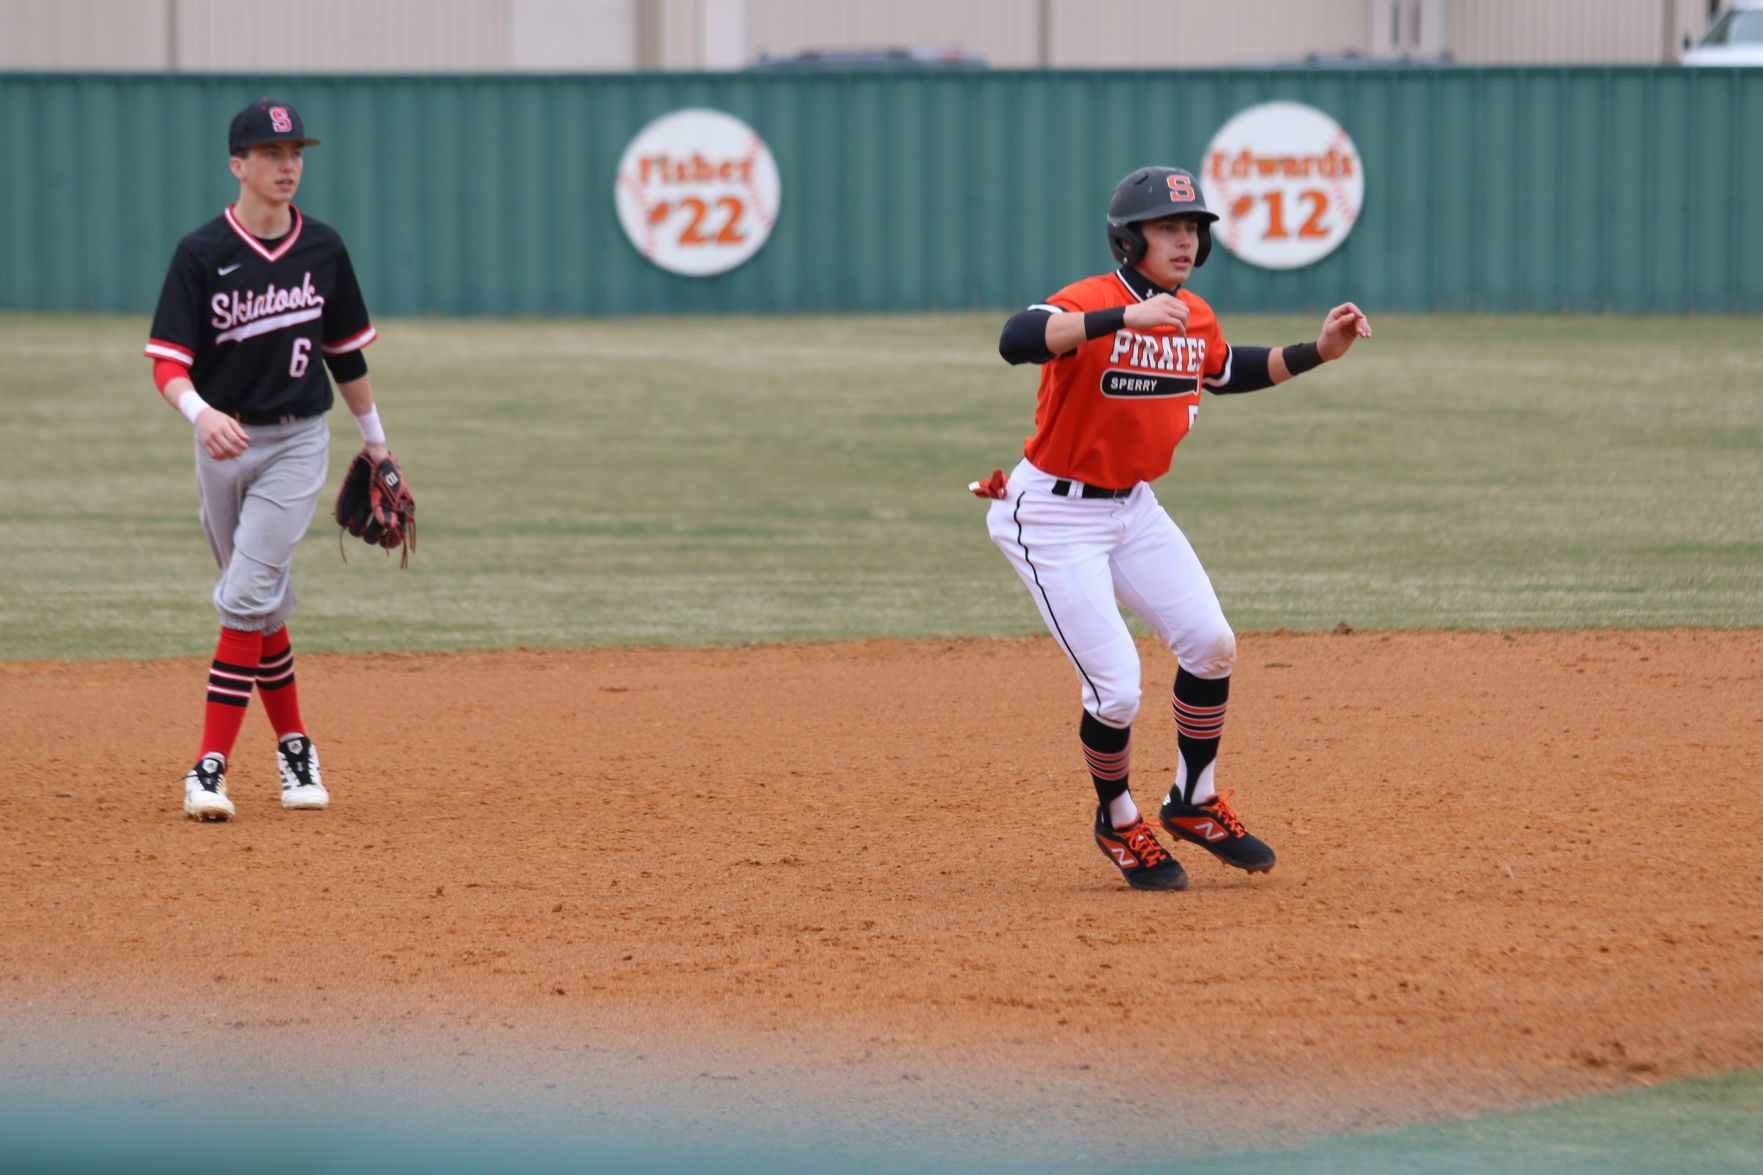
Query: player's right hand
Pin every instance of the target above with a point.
(222, 437)
(1161, 310)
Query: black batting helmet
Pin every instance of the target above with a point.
(1152, 193)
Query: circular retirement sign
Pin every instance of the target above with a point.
(697, 192)
(1286, 183)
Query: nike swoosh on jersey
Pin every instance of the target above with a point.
(226, 269)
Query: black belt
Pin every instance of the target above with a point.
(1062, 488)
(264, 417)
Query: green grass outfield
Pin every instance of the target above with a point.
(721, 481)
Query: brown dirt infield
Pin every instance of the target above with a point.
(854, 884)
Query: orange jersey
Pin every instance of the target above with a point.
(1112, 412)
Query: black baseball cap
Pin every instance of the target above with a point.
(266, 121)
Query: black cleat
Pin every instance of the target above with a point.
(1143, 861)
(1215, 828)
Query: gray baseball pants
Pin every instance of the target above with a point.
(255, 509)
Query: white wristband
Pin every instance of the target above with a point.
(371, 430)
(191, 404)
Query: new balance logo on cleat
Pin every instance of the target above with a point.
(1215, 827)
(1142, 859)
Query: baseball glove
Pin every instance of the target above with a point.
(374, 505)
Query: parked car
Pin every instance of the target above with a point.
(915, 57)
(1734, 38)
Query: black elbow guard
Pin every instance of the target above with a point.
(350, 365)
(1246, 371)
(1025, 338)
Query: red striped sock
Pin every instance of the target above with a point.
(229, 689)
(275, 683)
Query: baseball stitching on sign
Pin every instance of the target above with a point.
(767, 216)
(1226, 209)
(640, 198)
(1336, 192)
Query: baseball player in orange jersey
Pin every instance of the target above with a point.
(1123, 357)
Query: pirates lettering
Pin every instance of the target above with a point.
(1179, 355)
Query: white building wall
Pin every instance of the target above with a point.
(1005, 32)
(1572, 32)
(563, 35)
(83, 34)
(567, 35)
(673, 33)
(342, 35)
(1202, 33)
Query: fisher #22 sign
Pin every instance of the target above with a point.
(697, 192)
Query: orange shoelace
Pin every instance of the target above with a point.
(1149, 850)
(1221, 808)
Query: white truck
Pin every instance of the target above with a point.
(1734, 38)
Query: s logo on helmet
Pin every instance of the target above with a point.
(279, 120)
(1181, 189)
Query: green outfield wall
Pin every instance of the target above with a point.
(1546, 190)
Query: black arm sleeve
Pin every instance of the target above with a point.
(1247, 372)
(1025, 338)
(350, 365)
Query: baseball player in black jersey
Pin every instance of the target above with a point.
(257, 303)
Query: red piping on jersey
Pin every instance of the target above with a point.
(160, 349)
(354, 342)
(257, 245)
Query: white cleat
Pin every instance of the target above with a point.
(205, 790)
(302, 783)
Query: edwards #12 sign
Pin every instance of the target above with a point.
(1286, 183)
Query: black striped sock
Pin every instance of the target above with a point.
(1108, 753)
(1199, 704)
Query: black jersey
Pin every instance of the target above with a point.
(251, 318)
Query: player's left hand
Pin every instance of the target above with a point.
(1344, 323)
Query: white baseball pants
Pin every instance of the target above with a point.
(1079, 556)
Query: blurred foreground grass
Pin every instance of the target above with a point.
(1708, 1126)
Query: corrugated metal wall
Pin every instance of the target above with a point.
(1499, 190)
